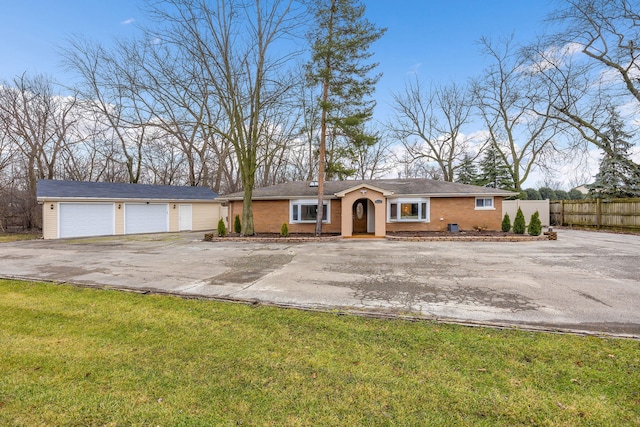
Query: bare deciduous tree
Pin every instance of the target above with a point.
(235, 46)
(515, 106)
(591, 64)
(110, 90)
(430, 124)
(39, 124)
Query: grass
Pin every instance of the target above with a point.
(14, 237)
(82, 357)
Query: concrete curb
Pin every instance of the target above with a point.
(344, 311)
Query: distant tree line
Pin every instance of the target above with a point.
(229, 95)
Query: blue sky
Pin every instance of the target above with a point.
(434, 38)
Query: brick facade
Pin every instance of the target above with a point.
(268, 216)
(455, 210)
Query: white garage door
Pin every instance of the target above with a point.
(146, 218)
(86, 219)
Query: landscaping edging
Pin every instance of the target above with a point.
(296, 239)
(210, 237)
(514, 238)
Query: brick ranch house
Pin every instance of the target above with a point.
(373, 207)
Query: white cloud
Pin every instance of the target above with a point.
(414, 69)
(553, 57)
(128, 21)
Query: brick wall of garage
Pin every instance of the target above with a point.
(458, 210)
(268, 216)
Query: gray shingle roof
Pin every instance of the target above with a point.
(119, 191)
(399, 187)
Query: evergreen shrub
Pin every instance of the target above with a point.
(222, 229)
(506, 223)
(284, 230)
(535, 225)
(237, 226)
(519, 226)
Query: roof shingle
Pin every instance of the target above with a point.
(120, 191)
(399, 187)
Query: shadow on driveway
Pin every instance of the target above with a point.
(585, 282)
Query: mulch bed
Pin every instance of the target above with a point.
(272, 238)
(465, 236)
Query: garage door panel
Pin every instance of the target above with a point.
(146, 218)
(86, 219)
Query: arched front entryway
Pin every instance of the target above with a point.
(360, 212)
(363, 211)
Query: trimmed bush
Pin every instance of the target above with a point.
(222, 229)
(284, 230)
(519, 226)
(535, 225)
(237, 226)
(506, 223)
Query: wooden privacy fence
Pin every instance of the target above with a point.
(599, 213)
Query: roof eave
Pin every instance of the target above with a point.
(119, 199)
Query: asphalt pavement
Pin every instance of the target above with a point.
(585, 282)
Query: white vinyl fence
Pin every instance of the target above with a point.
(528, 208)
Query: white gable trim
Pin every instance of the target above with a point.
(343, 193)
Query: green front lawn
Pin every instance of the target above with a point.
(14, 237)
(72, 356)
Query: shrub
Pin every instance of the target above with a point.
(535, 225)
(237, 226)
(222, 229)
(284, 230)
(519, 225)
(506, 223)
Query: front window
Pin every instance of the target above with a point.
(306, 211)
(484, 203)
(409, 210)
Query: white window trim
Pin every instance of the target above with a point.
(419, 201)
(313, 202)
(485, 208)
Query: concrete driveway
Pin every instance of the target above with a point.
(585, 282)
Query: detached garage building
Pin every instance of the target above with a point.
(80, 209)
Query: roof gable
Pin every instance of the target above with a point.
(54, 189)
(361, 186)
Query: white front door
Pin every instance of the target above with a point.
(146, 218)
(185, 218)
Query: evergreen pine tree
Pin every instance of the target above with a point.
(494, 172)
(222, 228)
(340, 48)
(535, 225)
(618, 176)
(467, 172)
(506, 223)
(519, 226)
